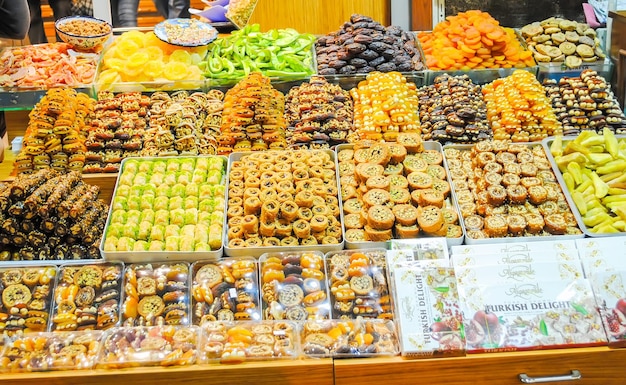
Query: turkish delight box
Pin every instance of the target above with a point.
(494, 248)
(423, 248)
(428, 313)
(602, 254)
(519, 272)
(407, 258)
(516, 257)
(530, 315)
(610, 290)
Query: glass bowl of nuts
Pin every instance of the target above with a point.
(84, 33)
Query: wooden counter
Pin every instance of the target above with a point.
(598, 366)
(318, 372)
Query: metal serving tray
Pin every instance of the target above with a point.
(547, 142)
(557, 71)
(428, 145)
(471, 241)
(157, 256)
(258, 251)
(347, 82)
(24, 98)
(478, 75)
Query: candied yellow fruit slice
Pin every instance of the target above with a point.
(154, 53)
(125, 48)
(138, 59)
(153, 69)
(109, 76)
(114, 63)
(175, 70)
(135, 36)
(181, 56)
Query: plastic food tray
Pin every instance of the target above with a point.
(428, 145)
(24, 98)
(294, 286)
(125, 347)
(153, 256)
(26, 288)
(478, 75)
(226, 290)
(347, 82)
(557, 71)
(79, 303)
(163, 288)
(348, 268)
(52, 351)
(547, 142)
(145, 86)
(281, 83)
(470, 241)
(257, 340)
(349, 338)
(258, 251)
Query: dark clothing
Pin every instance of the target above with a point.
(124, 13)
(14, 24)
(172, 9)
(60, 8)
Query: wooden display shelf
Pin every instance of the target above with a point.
(318, 372)
(597, 366)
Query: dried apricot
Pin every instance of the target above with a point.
(457, 41)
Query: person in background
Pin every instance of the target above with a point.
(36, 33)
(124, 13)
(172, 9)
(15, 23)
(601, 7)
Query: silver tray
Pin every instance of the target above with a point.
(557, 71)
(157, 256)
(547, 142)
(470, 241)
(428, 145)
(24, 98)
(479, 75)
(258, 251)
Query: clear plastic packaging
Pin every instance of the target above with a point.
(124, 347)
(26, 296)
(359, 284)
(429, 318)
(225, 291)
(38, 352)
(610, 291)
(156, 294)
(294, 286)
(349, 338)
(528, 316)
(236, 342)
(87, 297)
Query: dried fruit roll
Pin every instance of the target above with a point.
(81, 204)
(24, 186)
(38, 197)
(60, 192)
(63, 210)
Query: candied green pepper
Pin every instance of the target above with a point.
(275, 53)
